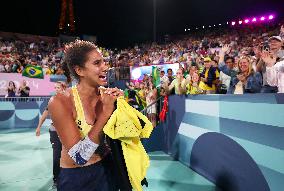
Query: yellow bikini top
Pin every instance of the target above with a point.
(83, 126)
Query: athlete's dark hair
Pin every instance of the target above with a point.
(76, 55)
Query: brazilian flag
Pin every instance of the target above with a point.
(126, 93)
(33, 72)
(156, 76)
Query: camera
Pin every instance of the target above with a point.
(266, 46)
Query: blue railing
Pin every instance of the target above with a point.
(24, 99)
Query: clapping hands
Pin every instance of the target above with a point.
(268, 58)
(241, 77)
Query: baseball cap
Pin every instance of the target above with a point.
(276, 38)
(207, 59)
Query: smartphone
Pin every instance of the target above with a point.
(266, 48)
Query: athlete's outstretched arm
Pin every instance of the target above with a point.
(41, 121)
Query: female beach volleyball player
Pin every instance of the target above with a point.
(79, 116)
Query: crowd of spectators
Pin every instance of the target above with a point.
(15, 55)
(231, 61)
(234, 62)
(237, 61)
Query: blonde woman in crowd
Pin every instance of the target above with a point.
(246, 81)
(193, 86)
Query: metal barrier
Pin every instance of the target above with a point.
(159, 103)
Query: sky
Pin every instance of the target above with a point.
(124, 22)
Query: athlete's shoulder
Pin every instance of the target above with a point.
(61, 99)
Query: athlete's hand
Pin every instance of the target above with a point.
(108, 97)
(37, 132)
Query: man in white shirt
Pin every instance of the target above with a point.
(164, 79)
(275, 65)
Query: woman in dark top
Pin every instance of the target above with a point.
(11, 89)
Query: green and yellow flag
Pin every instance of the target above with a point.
(156, 76)
(33, 72)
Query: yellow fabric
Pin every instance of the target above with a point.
(200, 70)
(141, 94)
(217, 73)
(204, 86)
(175, 84)
(190, 89)
(124, 125)
(83, 126)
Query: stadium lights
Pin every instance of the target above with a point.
(241, 21)
(185, 30)
(262, 18)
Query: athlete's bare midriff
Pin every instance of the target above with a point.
(67, 162)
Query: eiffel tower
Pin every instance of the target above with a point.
(67, 22)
